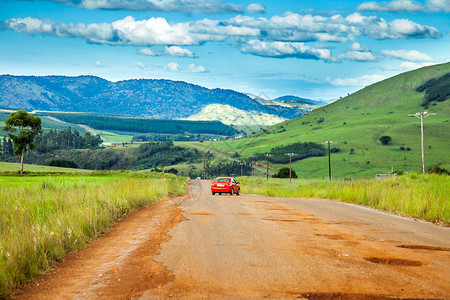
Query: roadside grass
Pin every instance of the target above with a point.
(42, 218)
(6, 167)
(414, 195)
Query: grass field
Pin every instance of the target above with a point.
(15, 167)
(357, 122)
(42, 218)
(414, 195)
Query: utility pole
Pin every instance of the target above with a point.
(241, 163)
(421, 116)
(329, 158)
(252, 164)
(290, 166)
(267, 157)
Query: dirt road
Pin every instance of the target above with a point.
(247, 246)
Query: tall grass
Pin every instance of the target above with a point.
(415, 195)
(43, 218)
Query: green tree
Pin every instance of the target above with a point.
(22, 128)
(284, 173)
(385, 140)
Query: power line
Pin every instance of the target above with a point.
(421, 116)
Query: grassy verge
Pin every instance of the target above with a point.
(42, 218)
(414, 195)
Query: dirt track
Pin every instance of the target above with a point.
(256, 247)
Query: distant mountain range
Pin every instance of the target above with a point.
(162, 99)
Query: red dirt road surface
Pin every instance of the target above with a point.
(221, 247)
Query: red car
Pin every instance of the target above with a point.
(225, 185)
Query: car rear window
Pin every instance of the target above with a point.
(222, 180)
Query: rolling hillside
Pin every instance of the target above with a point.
(146, 98)
(357, 122)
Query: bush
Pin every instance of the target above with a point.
(284, 173)
(398, 172)
(173, 171)
(438, 170)
(63, 163)
(385, 140)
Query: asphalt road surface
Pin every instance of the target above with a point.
(220, 247)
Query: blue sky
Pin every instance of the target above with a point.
(313, 49)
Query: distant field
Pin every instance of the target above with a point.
(357, 122)
(42, 218)
(14, 167)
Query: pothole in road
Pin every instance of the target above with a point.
(340, 296)
(394, 261)
(282, 220)
(201, 214)
(424, 247)
(331, 236)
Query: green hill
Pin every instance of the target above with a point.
(357, 122)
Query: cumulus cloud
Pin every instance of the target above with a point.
(148, 51)
(178, 51)
(438, 5)
(187, 6)
(256, 8)
(392, 6)
(287, 28)
(407, 66)
(358, 52)
(364, 80)
(412, 56)
(173, 67)
(285, 50)
(406, 6)
(196, 68)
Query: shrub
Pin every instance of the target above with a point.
(385, 139)
(438, 170)
(63, 163)
(173, 171)
(284, 173)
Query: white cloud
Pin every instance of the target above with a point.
(360, 56)
(173, 67)
(148, 51)
(358, 47)
(364, 80)
(358, 52)
(188, 6)
(438, 5)
(256, 8)
(196, 68)
(285, 50)
(392, 6)
(100, 64)
(178, 51)
(407, 66)
(406, 6)
(413, 55)
(141, 65)
(287, 28)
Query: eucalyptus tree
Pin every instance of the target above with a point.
(22, 127)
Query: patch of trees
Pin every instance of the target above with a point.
(230, 169)
(115, 123)
(6, 147)
(301, 150)
(158, 154)
(436, 90)
(66, 139)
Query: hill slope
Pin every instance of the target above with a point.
(357, 122)
(162, 99)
